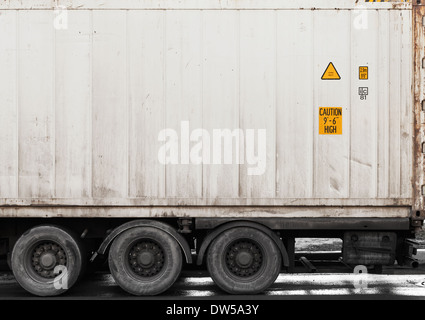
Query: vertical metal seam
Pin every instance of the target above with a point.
(53, 190)
(128, 109)
(201, 18)
(238, 55)
(313, 154)
(421, 129)
(406, 116)
(389, 109)
(312, 80)
(412, 113)
(141, 191)
(164, 93)
(17, 78)
(419, 56)
(400, 105)
(275, 105)
(350, 104)
(90, 122)
(377, 64)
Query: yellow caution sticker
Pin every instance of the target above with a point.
(330, 120)
(363, 73)
(331, 73)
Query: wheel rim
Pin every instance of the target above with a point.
(146, 258)
(45, 256)
(244, 258)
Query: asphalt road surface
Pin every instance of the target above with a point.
(330, 280)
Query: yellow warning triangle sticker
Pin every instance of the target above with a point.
(330, 73)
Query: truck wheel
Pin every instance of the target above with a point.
(47, 260)
(145, 261)
(243, 261)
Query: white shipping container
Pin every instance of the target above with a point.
(86, 89)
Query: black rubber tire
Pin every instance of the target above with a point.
(133, 283)
(235, 284)
(26, 275)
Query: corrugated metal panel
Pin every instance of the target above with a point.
(83, 106)
(73, 101)
(146, 101)
(36, 108)
(8, 106)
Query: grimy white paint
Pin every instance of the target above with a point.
(84, 98)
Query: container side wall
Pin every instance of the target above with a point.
(295, 107)
(73, 106)
(220, 103)
(183, 111)
(332, 152)
(383, 78)
(110, 112)
(363, 120)
(36, 104)
(258, 102)
(8, 105)
(146, 99)
(169, 107)
(406, 107)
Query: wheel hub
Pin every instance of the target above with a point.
(146, 258)
(47, 260)
(244, 258)
(45, 257)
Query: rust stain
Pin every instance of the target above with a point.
(419, 95)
